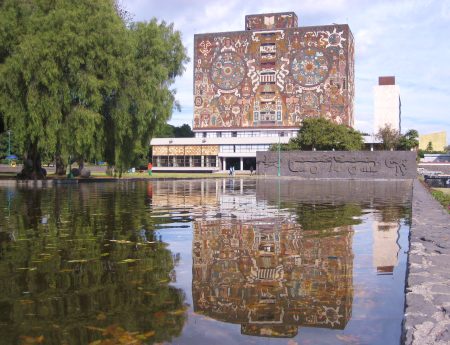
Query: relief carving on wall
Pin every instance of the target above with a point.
(338, 164)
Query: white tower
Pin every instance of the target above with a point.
(387, 104)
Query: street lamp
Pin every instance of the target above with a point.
(279, 157)
(9, 142)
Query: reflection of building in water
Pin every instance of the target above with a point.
(385, 246)
(272, 278)
(212, 199)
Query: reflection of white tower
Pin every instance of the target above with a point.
(385, 246)
(387, 105)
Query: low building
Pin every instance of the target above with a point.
(438, 141)
(210, 154)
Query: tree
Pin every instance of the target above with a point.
(389, 137)
(447, 148)
(184, 131)
(322, 134)
(77, 80)
(429, 147)
(168, 131)
(144, 100)
(409, 140)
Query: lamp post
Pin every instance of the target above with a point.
(9, 146)
(279, 157)
(9, 142)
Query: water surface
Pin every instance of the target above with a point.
(228, 261)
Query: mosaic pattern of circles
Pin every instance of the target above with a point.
(310, 67)
(228, 71)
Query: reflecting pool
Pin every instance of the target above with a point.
(223, 261)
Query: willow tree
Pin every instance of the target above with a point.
(145, 99)
(76, 80)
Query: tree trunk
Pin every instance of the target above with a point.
(80, 164)
(32, 167)
(60, 167)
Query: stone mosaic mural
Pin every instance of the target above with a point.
(274, 74)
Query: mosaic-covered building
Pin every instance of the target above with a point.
(253, 88)
(273, 74)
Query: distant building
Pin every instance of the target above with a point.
(438, 141)
(254, 88)
(387, 104)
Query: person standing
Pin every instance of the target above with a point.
(149, 168)
(251, 170)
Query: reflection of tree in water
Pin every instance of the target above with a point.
(394, 213)
(325, 216)
(84, 265)
(272, 278)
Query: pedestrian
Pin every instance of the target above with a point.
(251, 170)
(149, 169)
(231, 170)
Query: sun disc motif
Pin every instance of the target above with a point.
(310, 67)
(228, 71)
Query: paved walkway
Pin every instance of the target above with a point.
(427, 314)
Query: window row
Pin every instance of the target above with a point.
(247, 134)
(184, 161)
(244, 148)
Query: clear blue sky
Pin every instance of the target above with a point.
(408, 39)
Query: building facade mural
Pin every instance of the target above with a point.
(274, 74)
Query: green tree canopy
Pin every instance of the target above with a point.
(76, 79)
(170, 131)
(322, 134)
(409, 140)
(389, 137)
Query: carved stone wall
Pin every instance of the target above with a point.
(339, 164)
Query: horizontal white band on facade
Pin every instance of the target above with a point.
(219, 141)
(237, 154)
(186, 168)
(246, 129)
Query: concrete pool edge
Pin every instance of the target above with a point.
(427, 300)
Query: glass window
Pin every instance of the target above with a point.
(196, 161)
(210, 161)
(180, 161)
(162, 161)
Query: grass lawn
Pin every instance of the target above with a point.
(162, 175)
(443, 196)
